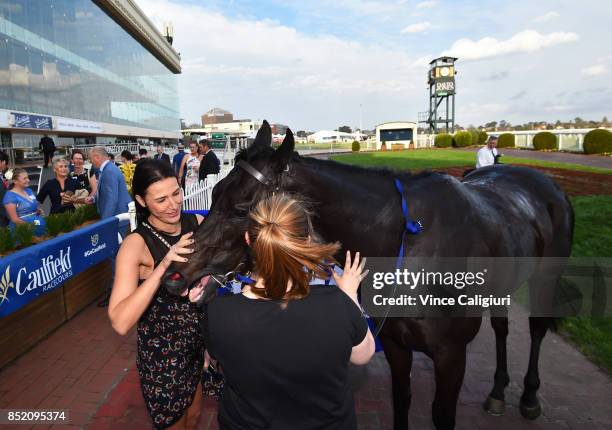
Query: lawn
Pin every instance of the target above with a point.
(592, 238)
(592, 234)
(441, 158)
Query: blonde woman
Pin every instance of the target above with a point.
(285, 345)
(60, 190)
(21, 205)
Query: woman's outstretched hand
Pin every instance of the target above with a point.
(176, 251)
(353, 275)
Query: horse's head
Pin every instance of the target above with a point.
(220, 247)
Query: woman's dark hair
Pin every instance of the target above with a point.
(147, 172)
(75, 152)
(127, 155)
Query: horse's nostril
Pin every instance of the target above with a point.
(175, 276)
(174, 282)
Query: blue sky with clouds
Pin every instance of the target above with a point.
(313, 64)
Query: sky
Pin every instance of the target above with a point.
(320, 64)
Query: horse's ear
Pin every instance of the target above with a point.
(264, 136)
(283, 153)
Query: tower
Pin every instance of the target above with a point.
(441, 81)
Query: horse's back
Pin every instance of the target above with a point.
(499, 210)
(528, 197)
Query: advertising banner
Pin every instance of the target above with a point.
(24, 120)
(27, 274)
(77, 125)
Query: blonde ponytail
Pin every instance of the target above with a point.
(283, 245)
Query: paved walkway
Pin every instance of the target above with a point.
(557, 157)
(88, 369)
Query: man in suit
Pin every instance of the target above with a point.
(178, 158)
(112, 197)
(161, 155)
(4, 160)
(210, 164)
(48, 148)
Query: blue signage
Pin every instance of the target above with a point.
(24, 120)
(27, 274)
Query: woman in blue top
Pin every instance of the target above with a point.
(21, 204)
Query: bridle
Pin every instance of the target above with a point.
(261, 178)
(224, 280)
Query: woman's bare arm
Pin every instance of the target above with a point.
(129, 301)
(11, 211)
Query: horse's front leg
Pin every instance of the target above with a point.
(449, 365)
(400, 362)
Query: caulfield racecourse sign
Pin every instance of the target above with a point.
(39, 269)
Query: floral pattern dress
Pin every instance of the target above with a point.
(170, 354)
(192, 169)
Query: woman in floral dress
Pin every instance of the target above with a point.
(191, 166)
(170, 355)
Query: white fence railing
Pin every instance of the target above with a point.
(425, 140)
(199, 196)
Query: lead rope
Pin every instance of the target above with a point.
(410, 226)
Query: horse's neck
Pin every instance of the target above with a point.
(356, 206)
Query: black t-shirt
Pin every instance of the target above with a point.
(286, 368)
(53, 190)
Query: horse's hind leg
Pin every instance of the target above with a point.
(400, 361)
(530, 405)
(495, 403)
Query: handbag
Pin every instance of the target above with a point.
(213, 382)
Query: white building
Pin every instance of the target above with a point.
(243, 128)
(394, 133)
(328, 136)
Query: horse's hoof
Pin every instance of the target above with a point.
(494, 407)
(530, 412)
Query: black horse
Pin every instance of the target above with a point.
(495, 211)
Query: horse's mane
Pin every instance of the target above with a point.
(375, 171)
(254, 152)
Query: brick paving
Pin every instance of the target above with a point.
(88, 369)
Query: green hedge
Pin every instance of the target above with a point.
(545, 140)
(22, 235)
(356, 146)
(462, 139)
(443, 140)
(506, 140)
(598, 141)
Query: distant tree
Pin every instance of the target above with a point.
(345, 129)
(604, 121)
(301, 133)
(492, 124)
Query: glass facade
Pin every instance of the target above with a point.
(68, 58)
